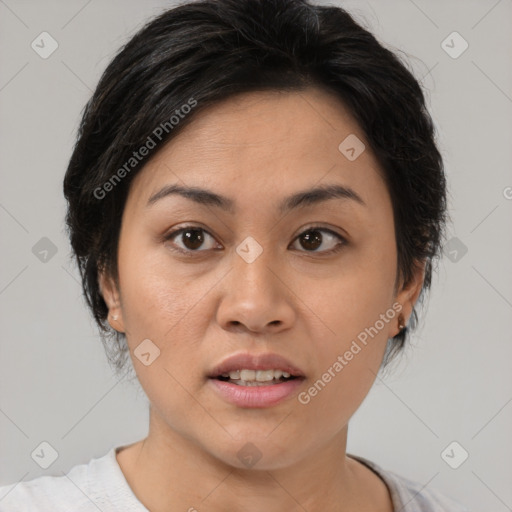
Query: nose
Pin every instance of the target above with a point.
(256, 297)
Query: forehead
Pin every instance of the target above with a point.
(255, 144)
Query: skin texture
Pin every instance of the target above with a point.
(305, 304)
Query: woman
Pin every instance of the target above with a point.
(255, 202)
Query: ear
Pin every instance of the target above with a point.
(408, 295)
(110, 294)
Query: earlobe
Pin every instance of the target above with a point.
(110, 294)
(408, 296)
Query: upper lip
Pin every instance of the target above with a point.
(246, 361)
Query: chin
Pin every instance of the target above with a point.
(255, 452)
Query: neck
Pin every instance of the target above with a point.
(168, 471)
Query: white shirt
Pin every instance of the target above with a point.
(100, 486)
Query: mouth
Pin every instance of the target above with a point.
(247, 377)
(256, 393)
(245, 369)
(256, 380)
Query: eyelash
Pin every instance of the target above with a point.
(168, 237)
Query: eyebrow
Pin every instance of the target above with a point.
(299, 199)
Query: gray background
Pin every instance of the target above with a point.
(453, 384)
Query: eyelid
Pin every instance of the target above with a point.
(320, 227)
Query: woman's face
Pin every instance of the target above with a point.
(309, 279)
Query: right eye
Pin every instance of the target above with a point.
(191, 238)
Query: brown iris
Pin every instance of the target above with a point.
(311, 239)
(193, 238)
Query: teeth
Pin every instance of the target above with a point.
(264, 375)
(256, 375)
(247, 375)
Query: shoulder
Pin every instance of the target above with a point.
(417, 498)
(410, 496)
(86, 487)
(47, 493)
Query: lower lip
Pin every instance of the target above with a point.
(256, 396)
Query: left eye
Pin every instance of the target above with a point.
(312, 239)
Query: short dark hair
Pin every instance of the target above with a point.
(199, 53)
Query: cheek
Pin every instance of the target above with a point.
(356, 306)
(156, 295)
(355, 295)
(348, 361)
(161, 305)
(168, 304)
